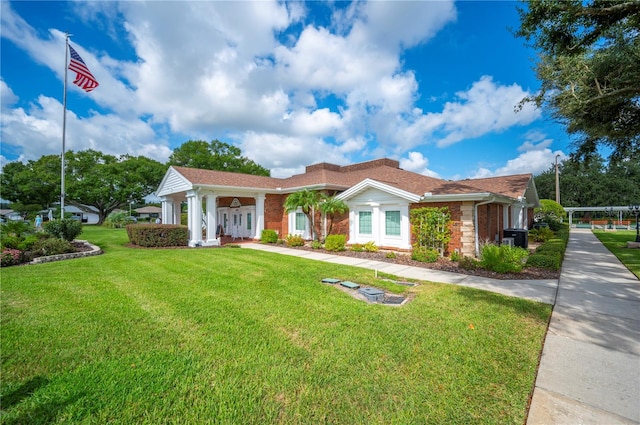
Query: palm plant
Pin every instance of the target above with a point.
(307, 200)
(330, 207)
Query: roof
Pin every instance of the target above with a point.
(341, 178)
(148, 210)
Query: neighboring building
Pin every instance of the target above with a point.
(149, 213)
(379, 194)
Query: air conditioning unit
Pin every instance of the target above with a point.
(508, 241)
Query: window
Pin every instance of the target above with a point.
(248, 221)
(301, 222)
(392, 223)
(364, 222)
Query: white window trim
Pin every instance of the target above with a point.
(306, 234)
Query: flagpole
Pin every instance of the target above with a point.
(64, 123)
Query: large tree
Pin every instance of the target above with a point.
(588, 67)
(36, 182)
(215, 155)
(106, 182)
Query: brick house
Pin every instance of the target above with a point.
(379, 195)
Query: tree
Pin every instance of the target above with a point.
(308, 201)
(330, 207)
(216, 155)
(591, 183)
(588, 66)
(34, 183)
(106, 182)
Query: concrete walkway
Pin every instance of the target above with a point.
(590, 367)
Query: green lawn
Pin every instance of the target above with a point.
(237, 336)
(616, 242)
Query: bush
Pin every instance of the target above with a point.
(357, 247)
(541, 234)
(335, 242)
(316, 244)
(424, 254)
(10, 257)
(391, 255)
(455, 256)
(370, 247)
(545, 261)
(66, 228)
(468, 263)
(158, 235)
(51, 246)
(503, 258)
(294, 240)
(268, 236)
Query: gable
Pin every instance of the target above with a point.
(173, 182)
(374, 189)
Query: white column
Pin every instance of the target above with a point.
(167, 216)
(194, 217)
(212, 215)
(259, 223)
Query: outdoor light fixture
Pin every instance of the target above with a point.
(635, 210)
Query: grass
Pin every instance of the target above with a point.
(237, 336)
(616, 242)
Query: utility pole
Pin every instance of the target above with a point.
(557, 181)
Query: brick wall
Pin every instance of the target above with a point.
(274, 216)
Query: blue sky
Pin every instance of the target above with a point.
(431, 84)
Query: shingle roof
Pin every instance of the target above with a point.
(342, 177)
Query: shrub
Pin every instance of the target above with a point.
(503, 258)
(316, 244)
(391, 255)
(51, 246)
(545, 261)
(10, 257)
(357, 247)
(66, 228)
(335, 242)
(370, 247)
(468, 263)
(294, 240)
(541, 234)
(158, 235)
(269, 236)
(424, 254)
(455, 256)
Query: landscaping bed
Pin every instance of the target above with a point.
(444, 264)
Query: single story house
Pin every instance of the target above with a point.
(379, 195)
(149, 212)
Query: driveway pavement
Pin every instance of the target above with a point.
(590, 366)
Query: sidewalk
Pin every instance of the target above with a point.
(590, 367)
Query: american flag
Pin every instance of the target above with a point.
(84, 79)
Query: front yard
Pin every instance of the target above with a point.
(237, 336)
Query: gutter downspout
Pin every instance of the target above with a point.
(475, 222)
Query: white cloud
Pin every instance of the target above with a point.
(218, 69)
(417, 163)
(535, 159)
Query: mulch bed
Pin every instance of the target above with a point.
(445, 264)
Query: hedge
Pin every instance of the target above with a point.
(158, 235)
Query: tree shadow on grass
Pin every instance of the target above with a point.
(537, 310)
(41, 413)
